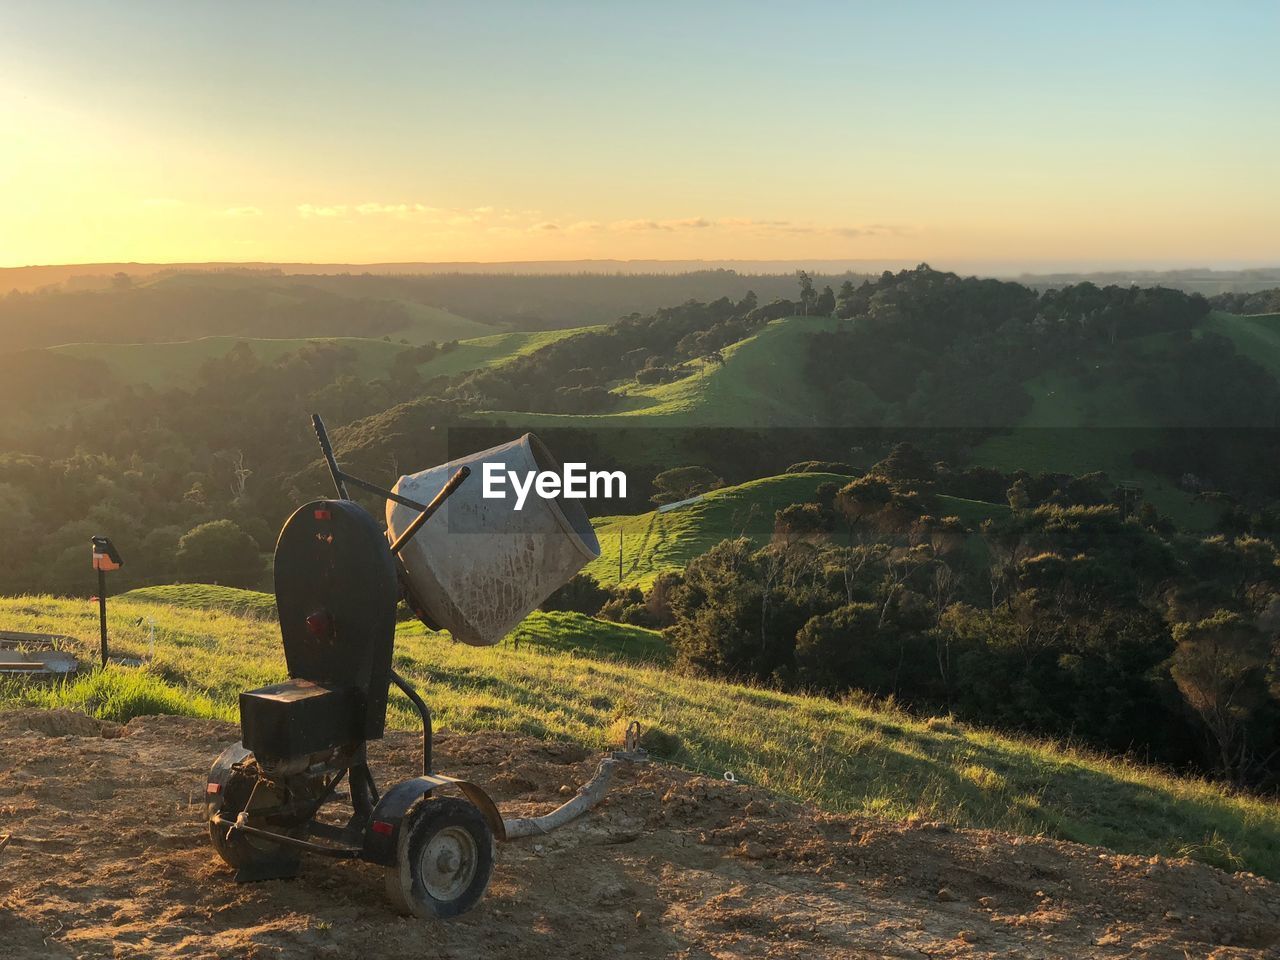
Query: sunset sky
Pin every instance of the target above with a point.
(1063, 133)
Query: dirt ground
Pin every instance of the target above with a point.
(109, 858)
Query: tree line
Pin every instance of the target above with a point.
(1078, 613)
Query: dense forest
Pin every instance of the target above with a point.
(938, 350)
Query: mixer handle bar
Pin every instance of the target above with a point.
(445, 492)
(339, 478)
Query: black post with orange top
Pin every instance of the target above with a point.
(105, 557)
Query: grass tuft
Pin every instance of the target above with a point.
(116, 693)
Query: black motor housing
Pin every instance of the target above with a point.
(299, 718)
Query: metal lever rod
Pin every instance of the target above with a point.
(339, 481)
(437, 502)
(385, 494)
(423, 711)
(341, 478)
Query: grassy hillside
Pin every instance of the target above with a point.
(844, 756)
(653, 542)
(761, 383)
(429, 323)
(426, 322)
(174, 363)
(492, 351)
(550, 631)
(1079, 424)
(206, 596)
(1257, 337)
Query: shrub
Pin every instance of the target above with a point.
(220, 552)
(582, 594)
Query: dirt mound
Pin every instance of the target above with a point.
(56, 723)
(110, 858)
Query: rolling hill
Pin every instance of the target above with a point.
(1081, 420)
(1257, 336)
(278, 296)
(492, 351)
(169, 364)
(1081, 423)
(760, 384)
(652, 542)
(848, 756)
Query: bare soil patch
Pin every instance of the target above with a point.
(109, 858)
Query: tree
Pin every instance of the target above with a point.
(738, 610)
(854, 646)
(863, 499)
(801, 521)
(681, 483)
(847, 647)
(1218, 666)
(825, 305)
(845, 298)
(219, 552)
(807, 296)
(905, 462)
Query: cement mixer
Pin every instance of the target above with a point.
(476, 569)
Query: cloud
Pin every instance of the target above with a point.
(640, 226)
(242, 212)
(161, 202)
(501, 219)
(405, 210)
(400, 210)
(311, 210)
(751, 225)
(766, 228)
(751, 222)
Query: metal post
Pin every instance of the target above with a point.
(102, 612)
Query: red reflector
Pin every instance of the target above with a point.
(382, 827)
(213, 788)
(323, 515)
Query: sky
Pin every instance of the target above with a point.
(1055, 133)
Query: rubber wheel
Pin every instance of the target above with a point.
(239, 850)
(444, 859)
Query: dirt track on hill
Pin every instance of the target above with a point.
(110, 858)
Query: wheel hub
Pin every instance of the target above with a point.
(448, 863)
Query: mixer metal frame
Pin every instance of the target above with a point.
(311, 731)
